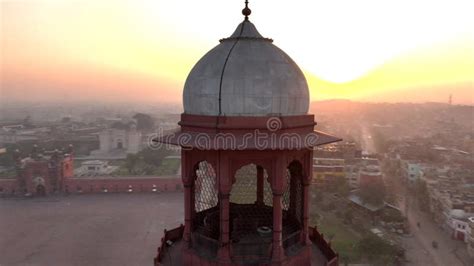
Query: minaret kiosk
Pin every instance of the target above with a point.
(247, 153)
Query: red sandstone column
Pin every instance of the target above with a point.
(224, 241)
(260, 182)
(304, 236)
(188, 216)
(225, 185)
(278, 189)
(306, 180)
(188, 184)
(277, 250)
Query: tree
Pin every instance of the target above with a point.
(131, 163)
(66, 119)
(380, 141)
(373, 193)
(144, 122)
(392, 215)
(348, 216)
(338, 184)
(154, 156)
(422, 194)
(318, 196)
(6, 159)
(377, 250)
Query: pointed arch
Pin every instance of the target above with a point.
(205, 187)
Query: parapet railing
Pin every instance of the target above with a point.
(291, 239)
(324, 246)
(171, 235)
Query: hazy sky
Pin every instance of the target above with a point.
(142, 50)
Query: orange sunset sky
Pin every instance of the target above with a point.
(142, 50)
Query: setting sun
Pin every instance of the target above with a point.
(348, 49)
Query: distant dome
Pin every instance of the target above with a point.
(458, 213)
(246, 75)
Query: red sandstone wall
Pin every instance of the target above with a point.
(136, 184)
(97, 185)
(8, 186)
(369, 179)
(67, 167)
(37, 169)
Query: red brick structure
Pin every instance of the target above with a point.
(40, 174)
(47, 173)
(123, 184)
(247, 149)
(247, 205)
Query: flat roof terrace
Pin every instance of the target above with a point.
(96, 229)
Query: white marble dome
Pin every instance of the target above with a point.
(246, 75)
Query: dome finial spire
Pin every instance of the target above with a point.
(246, 11)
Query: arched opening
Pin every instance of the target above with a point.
(251, 214)
(293, 204)
(40, 190)
(119, 144)
(205, 234)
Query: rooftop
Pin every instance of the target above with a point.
(111, 229)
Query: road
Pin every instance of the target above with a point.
(449, 251)
(419, 250)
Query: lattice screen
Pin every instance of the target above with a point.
(267, 190)
(298, 199)
(244, 190)
(205, 187)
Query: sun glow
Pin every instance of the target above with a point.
(348, 49)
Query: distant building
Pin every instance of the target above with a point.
(16, 133)
(411, 172)
(47, 173)
(118, 141)
(128, 140)
(370, 174)
(94, 168)
(362, 171)
(344, 150)
(359, 171)
(325, 170)
(458, 222)
(470, 237)
(352, 175)
(42, 174)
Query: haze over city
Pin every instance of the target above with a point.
(135, 51)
